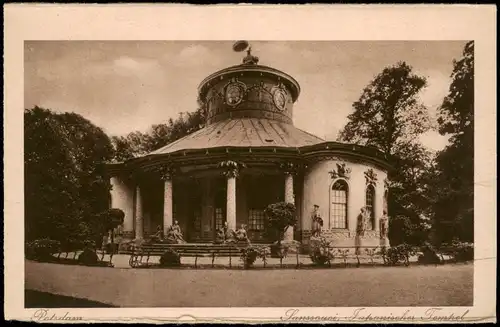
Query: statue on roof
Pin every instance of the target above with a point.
(249, 59)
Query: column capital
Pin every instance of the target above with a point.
(231, 168)
(166, 172)
(290, 168)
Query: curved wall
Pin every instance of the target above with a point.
(317, 187)
(249, 97)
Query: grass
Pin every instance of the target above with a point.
(36, 299)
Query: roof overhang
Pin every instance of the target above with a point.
(310, 153)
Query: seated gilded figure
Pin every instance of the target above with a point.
(174, 234)
(220, 237)
(230, 235)
(241, 235)
(158, 236)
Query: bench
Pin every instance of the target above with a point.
(196, 251)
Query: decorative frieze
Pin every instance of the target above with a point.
(340, 172)
(370, 177)
(254, 97)
(324, 158)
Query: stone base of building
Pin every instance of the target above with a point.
(345, 238)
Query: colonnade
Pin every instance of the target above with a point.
(118, 200)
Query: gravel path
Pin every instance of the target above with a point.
(446, 285)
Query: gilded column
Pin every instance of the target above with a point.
(289, 170)
(231, 199)
(139, 224)
(166, 176)
(231, 171)
(290, 198)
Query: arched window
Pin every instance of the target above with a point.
(338, 205)
(370, 205)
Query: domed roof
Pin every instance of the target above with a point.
(243, 132)
(246, 105)
(249, 112)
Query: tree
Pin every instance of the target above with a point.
(138, 144)
(390, 117)
(388, 112)
(453, 188)
(64, 183)
(280, 216)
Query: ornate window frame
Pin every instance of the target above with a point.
(330, 195)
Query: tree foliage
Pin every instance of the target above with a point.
(390, 116)
(403, 231)
(137, 143)
(453, 178)
(388, 111)
(64, 182)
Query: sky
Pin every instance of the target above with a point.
(125, 86)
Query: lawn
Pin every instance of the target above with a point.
(446, 285)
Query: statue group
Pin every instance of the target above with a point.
(364, 219)
(226, 235)
(173, 236)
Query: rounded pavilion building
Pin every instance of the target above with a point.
(249, 155)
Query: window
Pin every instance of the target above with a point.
(197, 221)
(219, 218)
(256, 220)
(370, 205)
(338, 206)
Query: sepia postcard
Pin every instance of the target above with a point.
(250, 164)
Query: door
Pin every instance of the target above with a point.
(219, 211)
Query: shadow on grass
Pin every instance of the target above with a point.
(36, 299)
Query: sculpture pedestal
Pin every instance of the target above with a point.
(384, 242)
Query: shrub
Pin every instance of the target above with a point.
(403, 231)
(429, 254)
(88, 258)
(320, 252)
(170, 258)
(399, 254)
(89, 244)
(42, 250)
(462, 251)
(251, 253)
(279, 250)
